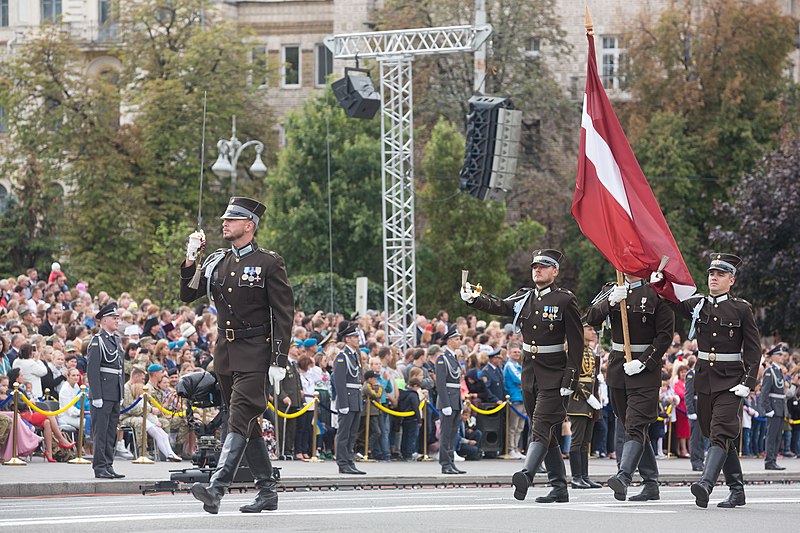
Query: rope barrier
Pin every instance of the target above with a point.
(401, 414)
(328, 408)
(50, 413)
(164, 409)
(302, 410)
(4, 402)
(432, 408)
(131, 406)
(518, 413)
(487, 411)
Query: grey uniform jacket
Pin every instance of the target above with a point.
(347, 380)
(772, 396)
(104, 367)
(448, 381)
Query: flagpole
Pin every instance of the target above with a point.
(623, 311)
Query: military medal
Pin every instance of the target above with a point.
(731, 334)
(644, 301)
(551, 327)
(644, 319)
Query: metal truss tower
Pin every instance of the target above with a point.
(395, 50)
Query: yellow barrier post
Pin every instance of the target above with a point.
(143, 459)
(47, 396)
(366, 458)
(508, 402)
(15, 461)
(741, 425)
(79, 460)
(669, 436)
(425, 432)
(314, 425)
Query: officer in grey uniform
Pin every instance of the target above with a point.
(772, 402)
(697, 443)
(347, 382)
(104, 371)
(448, 400)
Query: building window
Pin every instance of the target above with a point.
(290, 68)
(3, 119)
(3, 13)
(3, 199)
(324, 64)
(612, 58)
(51, 11)
(534, 45)
(258, 72)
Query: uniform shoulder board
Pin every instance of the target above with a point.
(742, 300)
(565, 291)
(439, 362)
(695, 297)
(270, 252)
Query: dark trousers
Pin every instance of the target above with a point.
(759, 429)
(346, 438)
(104, 427)
(774, 435)
(471, 452)
(720, 417)
(636, 409)
(408, 443)
(581, 432)
(796, 439)
(697, 444)
(600, 433)
(303, 433)
(547, 409)
(245, 395)
(447, 436)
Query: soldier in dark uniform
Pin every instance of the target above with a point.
(728, 356)
(347, 382)
(290, 400)
(104, 372)
(633, 388)
(255, 307)
(582, 409)
(492, 376)
(772, 402)
(448, 399)
(551, 328)
(697, 443)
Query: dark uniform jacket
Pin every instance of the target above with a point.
(587, 385)
(650, 323)
(548, 317)
(104, 367)
(726, 325)
(250, 290)
(347, 379)
(690, 396)
(292, 388)
(493, 377)
(448, 381)
(772, 396)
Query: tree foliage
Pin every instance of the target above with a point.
(332, 293)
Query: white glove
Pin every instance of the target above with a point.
(740, 390)
(770, 414)
(656, 277)
(593, 402)
(98, 403)
(755, 414)
(634, 367)
(196, 241)
(692, 416)
(566, 392)
(343, 410)
(468, 294)
(276, 375)
(617, 294)
(447, 411)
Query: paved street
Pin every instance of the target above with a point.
(405, 510)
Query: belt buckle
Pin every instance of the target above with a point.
(230, 335)
(712, 357)
(534, 349)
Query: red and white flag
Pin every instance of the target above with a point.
(613, 203)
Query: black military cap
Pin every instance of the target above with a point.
(110, 309)
(451, 332)
(347, 329)
(243, 208)
(547, 257)
(725, 263)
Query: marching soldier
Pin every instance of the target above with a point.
(552, 350)
(728, 356)
(582, 408)
(347, 382)
(255, 305)
(772, 402)
(448, 400)
(697, 443)
(104, 372)
(633, 388)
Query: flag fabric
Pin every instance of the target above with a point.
(613, 203)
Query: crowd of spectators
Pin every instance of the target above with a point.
(46, 325)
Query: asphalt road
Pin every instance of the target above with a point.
(408, 510)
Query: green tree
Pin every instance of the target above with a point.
(461, 232)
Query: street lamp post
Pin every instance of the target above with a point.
(229, 152)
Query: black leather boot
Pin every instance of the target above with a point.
(576, 468)
(631, 455)
(701, 490)
(648, 469)
(557, 475)
(522, 480)
(585, 469)
(732, 469)
(261, 468)
(221, 479)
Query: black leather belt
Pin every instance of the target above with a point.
(233, 334)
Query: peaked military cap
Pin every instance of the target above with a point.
(243, 208)
(347, 329)
(110, 309)
(725, 263)
(451, 332)
(547, 257)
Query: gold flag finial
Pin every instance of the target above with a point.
(589, 30)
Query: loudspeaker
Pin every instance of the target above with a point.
(356, 94)
(493, 432)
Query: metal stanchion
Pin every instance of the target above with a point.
(47, 395)
(508, 403)
(425, 434)
(79, 460)
(278, 451)
(741, 436)
(143, 459)
(15, 461)
(315, 421)
(669, 436)
(366, 458)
